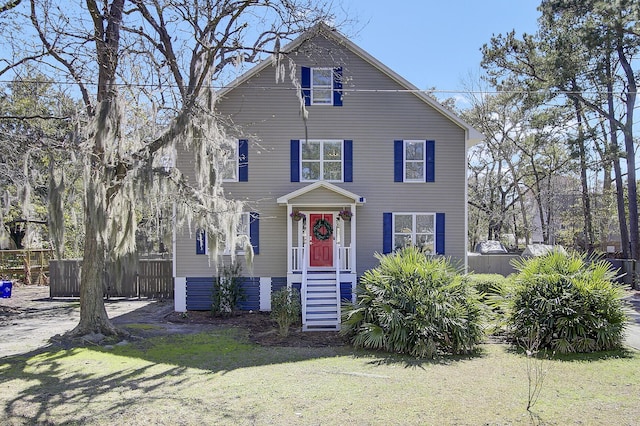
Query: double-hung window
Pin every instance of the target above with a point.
(322, 160)
(247, 231)
(234, 165)
(321, 86)
(242, 234)
(414, 161)
(414, 229)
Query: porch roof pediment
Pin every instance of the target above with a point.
(288, 198)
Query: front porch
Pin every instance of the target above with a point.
(321, 247)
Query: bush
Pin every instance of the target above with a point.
(285, 308)
(415, 305)
(488, 284)
(566, 303)
(227, 291)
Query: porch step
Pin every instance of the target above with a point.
(322, 303)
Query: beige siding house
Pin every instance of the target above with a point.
(372, 146)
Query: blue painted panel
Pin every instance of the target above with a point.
(440, 233)
(199, 293)
(398, 161)
(254, 231)
(387, 233)
(295, 160)
(305, 82)
(243, 160)
(431, 161)
(348, 161)
(277, 283)
(251, 290)
(345, 291)
(337, 86)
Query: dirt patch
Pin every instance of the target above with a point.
(261, 329)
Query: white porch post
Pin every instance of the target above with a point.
(352, 253)
(289, 238)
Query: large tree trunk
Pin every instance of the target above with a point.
(93, 315)
(106, 131)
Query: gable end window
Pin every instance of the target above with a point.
(235, 166)
(326, 160)
(322, 86)
(423, 230)
(414, 161)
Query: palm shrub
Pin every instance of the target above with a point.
(566, 303)
(493, 290)
(413, 304)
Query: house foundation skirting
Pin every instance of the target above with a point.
(197, 293)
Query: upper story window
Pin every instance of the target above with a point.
(322, 160)
(414, 229)
(321, 85)
(313, 160)
(414, 161)
(235, 162)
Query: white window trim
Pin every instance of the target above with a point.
(227, 250)
(330, 87)
(423, 161)
(321, 160)
(413, 226)
(236, 159)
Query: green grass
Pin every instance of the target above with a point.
(221, 378)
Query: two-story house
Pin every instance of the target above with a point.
(377, 164)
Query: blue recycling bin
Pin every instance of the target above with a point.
(5, 289)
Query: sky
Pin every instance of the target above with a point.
(435, 43)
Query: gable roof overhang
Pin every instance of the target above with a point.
(290, 197)
(472, 135)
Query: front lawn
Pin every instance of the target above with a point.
(222, 378)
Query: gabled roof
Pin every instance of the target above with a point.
(473, 136)
(285, 199)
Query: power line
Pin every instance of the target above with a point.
(345, 90)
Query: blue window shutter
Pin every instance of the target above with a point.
(305, 82)
(431, 161)
(398, 161)
(440, 233)
(254, 231)
(348, 161)
(243, 160)
(387, 233)
(201, 241)
(337, 86)
(295, 160)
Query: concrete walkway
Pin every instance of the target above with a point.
(632, 338)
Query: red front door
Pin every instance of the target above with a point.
(321, 230)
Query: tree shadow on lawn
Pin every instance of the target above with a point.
(50, 385)
(622, 353)
(384, 358)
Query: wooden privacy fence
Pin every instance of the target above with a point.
(30, 266)
(154, 279)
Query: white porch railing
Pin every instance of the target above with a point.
(343, 258)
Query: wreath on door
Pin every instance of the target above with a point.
(322, 229)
